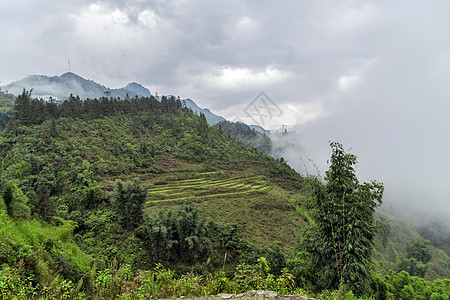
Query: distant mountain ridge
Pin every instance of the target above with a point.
(211, 118)
(60, 87)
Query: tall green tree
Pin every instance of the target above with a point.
(22, 108)
(38, 111)
(128, 200)
(341, 240)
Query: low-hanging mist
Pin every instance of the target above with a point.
(413, 188)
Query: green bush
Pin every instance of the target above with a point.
(176, 236)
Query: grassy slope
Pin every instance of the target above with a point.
(29, 242)
(261, 208)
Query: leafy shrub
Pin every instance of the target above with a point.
(15, 201)
(176, 236)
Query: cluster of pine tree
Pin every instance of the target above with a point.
(31, 111)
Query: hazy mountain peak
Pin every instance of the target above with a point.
(211, 118)
(70, 75)
(138, 89)
(69, 83)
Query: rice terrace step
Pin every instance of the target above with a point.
(206, 187)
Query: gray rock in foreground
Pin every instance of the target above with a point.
(248, 295)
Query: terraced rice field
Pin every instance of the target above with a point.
(207, 187)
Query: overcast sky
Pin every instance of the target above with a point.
(373, 75)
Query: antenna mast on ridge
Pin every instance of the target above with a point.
(69, 64)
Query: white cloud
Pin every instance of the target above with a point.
(356, 76)
(346, 83)
(243, 78)
(300, 114)
(352, 18)
(101, 24)
(244, 23)
(150, 20)
(292, 114)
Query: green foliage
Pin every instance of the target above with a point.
(258, 277)
(119, 282)
(417, 257)
(237, 248)
(192, 148)
(420, 250)
(162, 283)
(92, 196)
(340, 242)
(6, 102)
(341, 294)
(35, 253)
(128, 201)
(437, 232)
(392, 247)
(23, 108)
(15, 201)
(8, 198)
(248, 136)
(176, 236)
(300, 267)
(231, 238)
(413, 266)
(57, 164)
(175, 189)
(302, 210)
(44, 187)
(14, 284)
(62, 160)
(276, 258)
(401, 285)
(6, 109)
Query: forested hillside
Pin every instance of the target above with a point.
(140, 198)
(60, 166)
(249, 136)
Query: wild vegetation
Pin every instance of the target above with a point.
(249, 136)
(340, 241)
(140, 198)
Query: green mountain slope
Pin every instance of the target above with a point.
(66, 164)
(394, 248)
(251, 137)
(98, 186)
